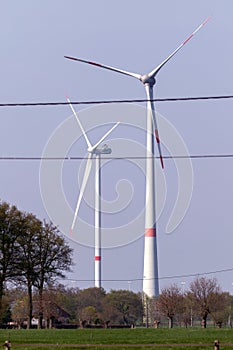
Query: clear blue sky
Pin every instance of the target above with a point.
(134, 36)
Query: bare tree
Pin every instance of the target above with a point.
(170, 303)
(206, 297)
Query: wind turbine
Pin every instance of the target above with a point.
(93, 151)
(150, 277)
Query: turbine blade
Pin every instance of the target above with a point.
(104, 137)
(82, 189)
(157, 69)
(149, 92)
(134, 75)
(79, 123)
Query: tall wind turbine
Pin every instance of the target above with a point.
(150, 277)
(93, 151)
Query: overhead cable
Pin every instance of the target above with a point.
(166, 99)
(197, 274)
(67, 158)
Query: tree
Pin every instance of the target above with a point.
(18, 304)
(88, 300)
(89, 315)
(44, 257)
(206, 297)
(123, 307)
(66, 298)
(29, 257)
(151, 314)
(186, 316)
(54, 256)
(10, 230)
(230, 309)
(53, 312)
(19, 310)
(220, 311)
(170, 302)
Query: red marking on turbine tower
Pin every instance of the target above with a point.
(150, 232)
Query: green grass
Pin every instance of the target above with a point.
(166, 339)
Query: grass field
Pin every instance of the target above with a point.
(138, 338)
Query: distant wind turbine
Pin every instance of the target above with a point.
(93, 151)
(150, 277)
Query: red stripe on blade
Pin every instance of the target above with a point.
(187, 39)
(97, 258)
(157, 136)
(207, 20)
(161, 161)
(95, 64)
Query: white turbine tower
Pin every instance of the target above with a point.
(150, 277)
(93, 151)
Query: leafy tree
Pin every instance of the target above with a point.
(66, 298)
(44, 256)
(52, 310)
(151, 315)
(89, 315)
(123, 307)
(206, 297)
(90, 297)
(54, 256)
(19, 308)
(170, 302)
(186, 317)
(6, 309)
(230, 310)
(31, 226)
(16, 296)
(220, 311)
(10, 230)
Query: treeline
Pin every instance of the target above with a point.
(72, 307)
(203, 302)
(32, 255)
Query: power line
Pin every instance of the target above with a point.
(194, 156)
(159, 278)
(166, 99)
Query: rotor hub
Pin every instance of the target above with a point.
(145, 79)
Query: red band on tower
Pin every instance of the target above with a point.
(97, 258)
(150, 232)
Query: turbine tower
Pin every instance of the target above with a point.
(93, 151)
(150, 276)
